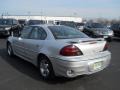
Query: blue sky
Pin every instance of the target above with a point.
(82, 8)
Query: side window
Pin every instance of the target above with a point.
(25, 32)
(38, 33)
(15, 22)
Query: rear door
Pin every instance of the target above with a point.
(35, 42)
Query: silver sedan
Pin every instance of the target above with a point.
(59, 50)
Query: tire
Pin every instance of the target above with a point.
(109, 39)
(10, 50)
(45, 68)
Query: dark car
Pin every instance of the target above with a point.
(98, 30)
(116, 29)
(22, 22)
(80, 26)
(7, 26)
(68, 23)
(35, 22)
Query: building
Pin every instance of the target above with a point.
(46, 18)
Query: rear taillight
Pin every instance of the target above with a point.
(106, 47)
(70, 50)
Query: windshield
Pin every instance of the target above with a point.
(5, 22)
(64, 32)
(98, 25)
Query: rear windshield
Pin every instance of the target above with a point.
(64, 32)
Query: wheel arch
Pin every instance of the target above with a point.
(42, 55)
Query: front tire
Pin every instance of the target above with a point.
(45, 68)
(10, 50)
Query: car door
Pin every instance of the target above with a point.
(18, 42)
(35, 42)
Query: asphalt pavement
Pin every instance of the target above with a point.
(17, 74)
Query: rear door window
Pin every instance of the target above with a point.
(38, 33)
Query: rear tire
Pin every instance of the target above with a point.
(45, 68)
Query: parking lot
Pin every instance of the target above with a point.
(17, 74)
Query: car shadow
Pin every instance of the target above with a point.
(30, 70)
(3, 37)
(115, 39)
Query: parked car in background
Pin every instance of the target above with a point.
(116, 29)
(96, 30)
(68, 23)
(35, 22)
(60, 50)
(7, 26)
(22, 22)
(80, 26)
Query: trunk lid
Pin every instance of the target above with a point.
(89, 46)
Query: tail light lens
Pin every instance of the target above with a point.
(70, 50)
(106, 47)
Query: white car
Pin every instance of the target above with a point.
(59, 50)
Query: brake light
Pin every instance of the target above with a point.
(106, 47)
(70, 50)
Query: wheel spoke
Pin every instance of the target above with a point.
(44, 68)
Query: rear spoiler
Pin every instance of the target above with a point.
(97, 39)
(91, 41)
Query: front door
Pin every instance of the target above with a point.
(18, 42)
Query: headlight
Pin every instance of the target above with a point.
(7, 28)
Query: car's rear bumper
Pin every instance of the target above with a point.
(68, 68)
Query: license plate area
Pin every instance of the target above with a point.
(96, 66)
